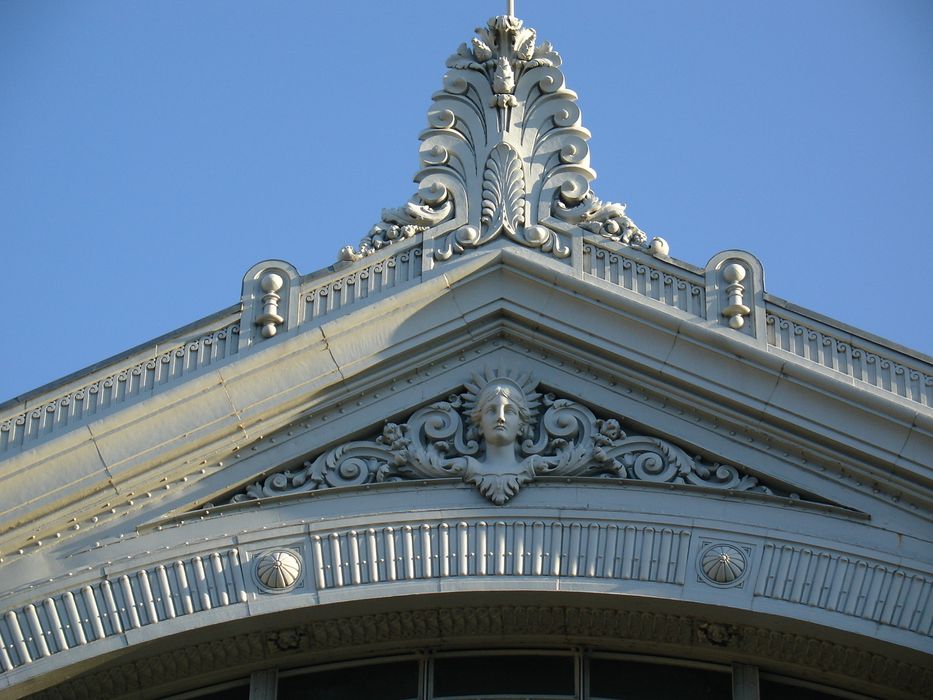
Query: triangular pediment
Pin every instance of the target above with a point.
(500, 431)
(638, 362)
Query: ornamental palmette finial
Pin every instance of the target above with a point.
(505, 156)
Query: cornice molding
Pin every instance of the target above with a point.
(603, 627)
(191, 575)
(840, 353)
(117, 387)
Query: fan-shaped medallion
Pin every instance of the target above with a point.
(278, 570)
(723, 564)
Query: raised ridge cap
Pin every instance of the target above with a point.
(564, 173)
(818, 340)
(867, 337)
(83, 393)
(192, 329)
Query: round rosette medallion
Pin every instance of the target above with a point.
(722, 564)
(278, 571)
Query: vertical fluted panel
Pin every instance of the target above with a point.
(443, 555)
(74, 620)
(184, 588)
(109, 607)
(408, 552)
(93, 612)
(113, 614)
(519, 548)
(221, 584)
(427, 552)
(356, 572)
(58, 631)
(320, 572)
(148, 599)
(6, 663)
(372, 280)
(372, 555)
(239, 582)
(336, 560)
(505, 547)
(19, 640)
(463, 549)
(35, 629)
(500, 548)
(855, 587)
(389, 556)
(679, 292)
(201, 584)
(164, 596)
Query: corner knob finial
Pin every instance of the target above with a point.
(736, 311)
(271, 283)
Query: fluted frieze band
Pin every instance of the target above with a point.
(517, 549)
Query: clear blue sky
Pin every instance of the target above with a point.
(151, 152)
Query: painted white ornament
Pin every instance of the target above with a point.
(278, 570)
(723, 564)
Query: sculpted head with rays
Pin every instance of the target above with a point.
(501, 408)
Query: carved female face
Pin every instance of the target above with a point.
(500, 417)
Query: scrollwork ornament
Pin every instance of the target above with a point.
(606, 219)
(430, 206)
(505, 154)
(494, 436)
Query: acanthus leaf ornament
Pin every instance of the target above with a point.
(505, 153)
(503, 193)
(494, 437)
(428, 207)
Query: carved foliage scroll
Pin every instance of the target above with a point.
(504, 153)
(495, 437)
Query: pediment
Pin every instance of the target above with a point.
(501, 430)
(624, 359)
(505, 354)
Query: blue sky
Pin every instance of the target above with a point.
(153, 151)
